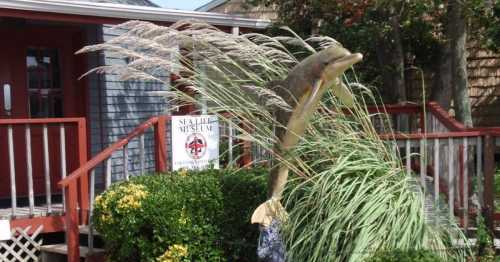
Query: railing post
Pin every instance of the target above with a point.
(83, 197)
(160, 144)
(489, 181)
(72, 234)
(422, 119)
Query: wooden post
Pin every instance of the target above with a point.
(160, 145)
(422, 120)
(83, 196)
(72, 234)
(489, 181)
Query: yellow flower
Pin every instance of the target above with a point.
(98, 199)
(183, 219)
(106, 218)
(183, 172)
(132, 196)
(174, 253)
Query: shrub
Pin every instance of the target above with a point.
(405, 255)
(181, 216)
(242, 192)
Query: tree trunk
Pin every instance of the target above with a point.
(382, 49)
(390, 57)
(458, 37)
(442, 90)
(398, 61)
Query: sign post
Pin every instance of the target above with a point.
(195, 142)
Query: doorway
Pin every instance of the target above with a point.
(38, 65)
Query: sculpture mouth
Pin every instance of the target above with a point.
(347, 61)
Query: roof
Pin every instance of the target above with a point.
(135, 12)
(210, 5)
(124, 2)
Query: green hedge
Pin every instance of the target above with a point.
(182, 216)
(242, 192)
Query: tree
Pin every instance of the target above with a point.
(458, 38)
(398, 36)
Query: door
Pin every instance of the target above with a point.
(38, 64)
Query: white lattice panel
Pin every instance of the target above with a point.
(22, 246)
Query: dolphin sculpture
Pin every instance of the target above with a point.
(302, 89)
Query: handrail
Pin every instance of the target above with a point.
(77, 181)
(20, 121)
(438, 112)
(395, 109)
(450, 122)
(432, 107)
(73, 128)
(414, 136)
(103, 155)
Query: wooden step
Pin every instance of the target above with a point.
(58, 252)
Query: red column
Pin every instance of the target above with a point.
(72, 234)
(83, 196)
(160, 144)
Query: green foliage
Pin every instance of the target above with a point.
(242, 192)
(405, 255)
(486, 15)
(358, 201)
(181, 216)
(497, 189)
(365, 26)
(484, 245)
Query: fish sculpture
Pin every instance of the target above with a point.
(302, 89)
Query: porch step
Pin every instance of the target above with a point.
(58, 252)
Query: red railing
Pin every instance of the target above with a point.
(74, 218)
(81, 177)
(38, 159)
(433, 119)
(439, 126)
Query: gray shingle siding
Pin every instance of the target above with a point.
(116, 108)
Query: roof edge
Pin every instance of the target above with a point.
(210, 5)
(110, 10)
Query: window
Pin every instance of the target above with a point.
(44, 83)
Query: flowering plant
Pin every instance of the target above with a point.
(170, 217)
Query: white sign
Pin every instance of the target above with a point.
(195, 142)
(5, 230)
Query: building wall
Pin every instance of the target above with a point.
(484, 79)
(117, 107)
(95, 84)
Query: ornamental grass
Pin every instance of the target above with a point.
(350, 196)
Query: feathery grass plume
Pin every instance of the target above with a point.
(350, 196)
